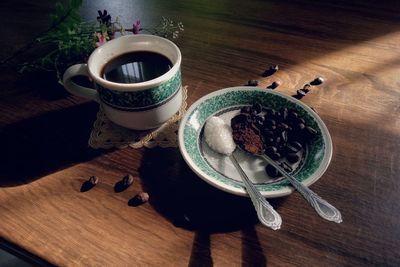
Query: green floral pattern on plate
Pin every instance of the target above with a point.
(229, 99)
(137, 100)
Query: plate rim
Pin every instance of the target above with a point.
(286, 190)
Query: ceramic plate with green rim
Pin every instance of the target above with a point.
(218, 170)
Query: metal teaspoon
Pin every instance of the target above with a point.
(265, 212)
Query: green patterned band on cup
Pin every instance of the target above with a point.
(141, 100)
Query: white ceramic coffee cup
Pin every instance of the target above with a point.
(139, 106)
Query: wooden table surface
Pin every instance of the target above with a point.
(44, 155)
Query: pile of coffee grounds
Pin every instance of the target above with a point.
(246, 134)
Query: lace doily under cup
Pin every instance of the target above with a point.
(106, 134)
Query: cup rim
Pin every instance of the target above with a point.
(135, 86)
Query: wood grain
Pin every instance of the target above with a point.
(45, 158)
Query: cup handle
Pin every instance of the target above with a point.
(73, 88)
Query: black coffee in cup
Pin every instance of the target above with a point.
(137, 80)
(136, 67)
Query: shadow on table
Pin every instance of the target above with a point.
(38, 146)
(188, 202)
(252, 252)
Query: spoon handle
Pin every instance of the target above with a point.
(321, 206)
(265, 212)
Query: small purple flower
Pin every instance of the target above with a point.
(136, 27)
(104, 18)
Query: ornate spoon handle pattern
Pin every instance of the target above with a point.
(265, 212)
(321, 206)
